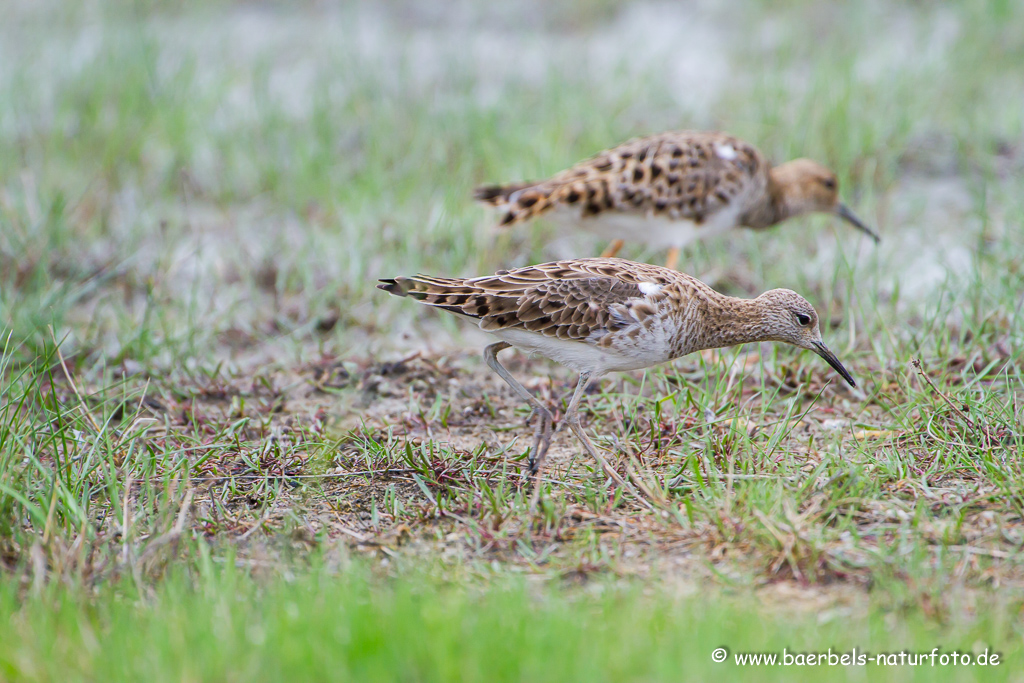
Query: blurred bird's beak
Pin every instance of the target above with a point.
(830, 358)
(843, 211)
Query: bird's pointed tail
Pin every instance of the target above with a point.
(519, 202)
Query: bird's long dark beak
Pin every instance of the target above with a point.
(830, 358)
(843, 211)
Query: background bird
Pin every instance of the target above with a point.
(671, 189)
(600, 315)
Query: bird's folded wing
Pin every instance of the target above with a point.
(575, 300)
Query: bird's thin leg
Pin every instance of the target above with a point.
(612, 249)
(572, 418)
(542, 434)
(672, 258)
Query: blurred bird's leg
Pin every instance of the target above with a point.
(672, 258)
(612, 249)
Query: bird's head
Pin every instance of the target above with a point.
(805, 186)
(790, 318)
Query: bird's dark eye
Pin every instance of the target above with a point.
(804, 320)
(829, 183)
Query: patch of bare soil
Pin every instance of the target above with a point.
(423, 457)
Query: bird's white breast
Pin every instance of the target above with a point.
(655, 231)
(650, 343)
(584, 356)
(633, 348)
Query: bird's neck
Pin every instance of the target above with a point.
(774, 206)
(727, 321)
(745, 322)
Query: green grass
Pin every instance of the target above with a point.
(341, 624)
(196, 201)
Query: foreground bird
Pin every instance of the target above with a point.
(599, 315)
(671, 189)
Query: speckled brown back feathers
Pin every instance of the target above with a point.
(565, 299)
(688, 175)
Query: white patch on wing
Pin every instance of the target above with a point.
(649, 288)
(727, 152)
